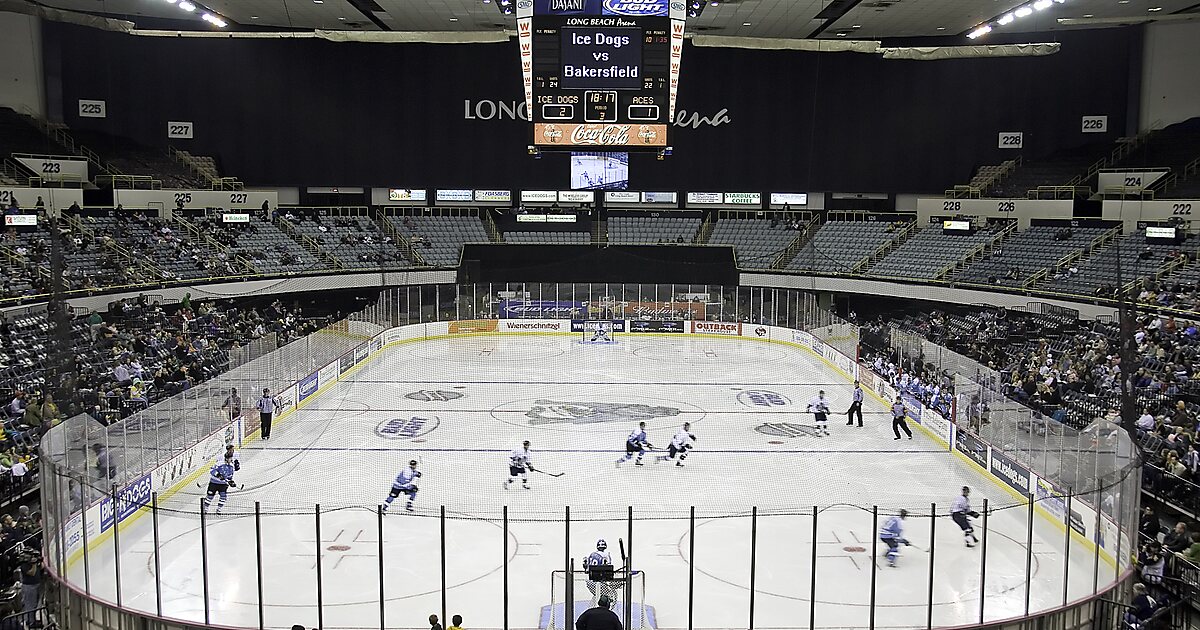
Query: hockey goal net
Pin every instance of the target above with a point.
(598, 331)
(586, 593)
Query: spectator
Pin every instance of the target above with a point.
(1177, 540)
(1192, 553)
(600, 617)
(455, 623)
(233, 403)
(1149, 525)
(433, 623)
(18, 472)
(1142, 607)
(1151, 563)
(31, 589)
(16, 408)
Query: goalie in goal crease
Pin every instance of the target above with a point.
(597, 331)
(601, 558)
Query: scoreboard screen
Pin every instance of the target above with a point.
(600, 73)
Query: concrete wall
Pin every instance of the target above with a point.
(21, 76)
(1170, 73)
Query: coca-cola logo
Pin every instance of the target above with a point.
(600, 134)
(647, 134)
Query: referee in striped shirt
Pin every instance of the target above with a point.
(266, 410)
(855, 405)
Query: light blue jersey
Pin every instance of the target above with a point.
(892, 528)
(637, 437)
(221, 474)
(407, 479)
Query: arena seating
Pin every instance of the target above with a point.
(1028, 252)
(1053, 170)
(131, 158)
(1099, 275)
(1173, 146)
(649, 230)
(548, 238)
(839, 245)
(354, 239)
(263, 245)
(929, 252)
(757, 242)
(438, 240)
(19, 135)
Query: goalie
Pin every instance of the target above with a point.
(600, 335)
(600, 558)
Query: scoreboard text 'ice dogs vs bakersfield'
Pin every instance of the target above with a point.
(600, 73)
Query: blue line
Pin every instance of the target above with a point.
(505, 450)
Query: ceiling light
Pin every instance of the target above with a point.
(1088, 15)
(1042, 5)
(253, 17)
(318, 1)
(745, 24)
(1006, 20)
(187, 6)
(982, 30)
(1023, 11)
(214, 20)
(172, 1)
(453, 19)
(342, 19)
(941, 28)
(841, 34)
(713, 3)
(1153, 9)
(856, 26)
(1122, 1)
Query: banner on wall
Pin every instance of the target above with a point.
(542, 308)
(309, 385)
(934, 421)
(1053, 500)
(671, 310)
(360, 353)
(535, 325)
(972, 447)
(577, 325)
(733, 329)
(345, 362)
(912, 407)
(472, 326)
(1010, 472)
(129, 500)
(328, 374)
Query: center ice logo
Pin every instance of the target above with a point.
(406, 428)
(762, 398)
(551, 412)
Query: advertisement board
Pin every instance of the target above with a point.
(1054, 501)
(972, 447)
(406, 194)
(1010, 472)
(665, 310)
(576, 196)
(129, 500)
(577, 325)
(790, 199)
(622, 196)
(472, 326)
(660, 197)
(657, 326)
(535, 325)
(511, 309)
(327, 374)
(18, 220)
(733, 329)
(539, 196)
(933, 421)
(704, 197)
(493, 196)
(803, 338)
(912, 407)
(345, 362)
(308, 386)
(199, 455)
(455, 194)
(743, 199)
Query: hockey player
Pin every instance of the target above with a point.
(892, 535)
(519, 461)
(405, 483)
(899, 421)
(220, 477)
(680, 445)
(959, 512)
(819, 406)
(231, 453)
(636, 443)
(598, 557)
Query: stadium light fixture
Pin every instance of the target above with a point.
(979, 32)
(187, 6)
(1006, 20)
(1042, 5)
(1023, 12)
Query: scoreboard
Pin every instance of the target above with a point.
(600, 74)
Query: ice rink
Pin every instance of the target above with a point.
(459, 405)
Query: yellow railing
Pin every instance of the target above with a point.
(134, 182)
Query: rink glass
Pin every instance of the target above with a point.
(771, 564)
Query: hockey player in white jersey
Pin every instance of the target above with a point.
(406, 484)
(680, 445)
(636, 444)
(892, 535)
(959, 512)
(599, 557)
(819, 406)
(519, 461)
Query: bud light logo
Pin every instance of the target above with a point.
(627, 7)
(762, 398)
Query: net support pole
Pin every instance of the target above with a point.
(320, 584)
(379, 553)
(87, 569)
(932, 546)
(691, 567)
(1118, 517)
(258, 566)
(812, 582)
(1096, 537)
(753, 559)
(874, 563)
(157, 558)
(204, 560)
(628, 570)
(442, 545)
(983, 563)
(504, 529)
(116, 521)
(568, 613)
(1067, 549)
(1029, 554)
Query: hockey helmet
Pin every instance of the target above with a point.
(601, 545)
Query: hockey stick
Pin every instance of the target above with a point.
(201, 484)
(538, 470)
(624, 560)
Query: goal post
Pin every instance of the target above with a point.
(598, 331)
(585, 593)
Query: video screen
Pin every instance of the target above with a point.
(599, 171)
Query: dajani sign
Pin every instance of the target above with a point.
(593, 134)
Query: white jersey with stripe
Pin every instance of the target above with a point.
(961, 504)
(520, 458)
(682, 439)
(407, 479)
(819, 404)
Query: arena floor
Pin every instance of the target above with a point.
(460, 405)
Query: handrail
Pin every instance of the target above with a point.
(1117, 154)
(312, 246)
(406, 246)
(803, 237)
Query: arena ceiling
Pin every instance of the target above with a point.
(852, 19)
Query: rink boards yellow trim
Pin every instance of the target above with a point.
(190, 479)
